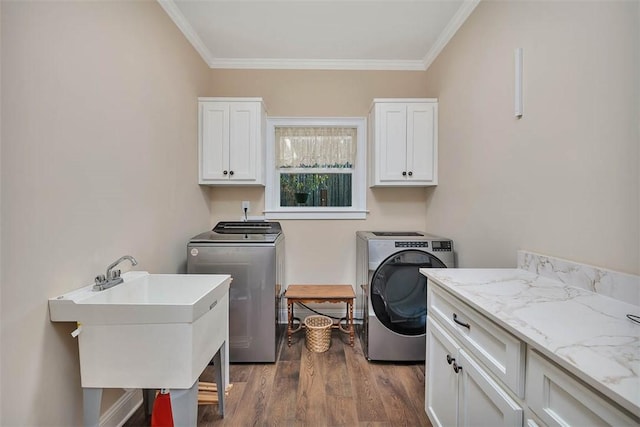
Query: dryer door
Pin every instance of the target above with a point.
(399, 291)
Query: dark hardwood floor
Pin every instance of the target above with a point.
(336, 388)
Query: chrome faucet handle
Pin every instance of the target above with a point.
(112, 276)
(100, 282)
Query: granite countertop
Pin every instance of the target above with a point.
(585, 333)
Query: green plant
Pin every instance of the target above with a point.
(291, 184)
(302, 183)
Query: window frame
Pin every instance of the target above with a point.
(358, 210)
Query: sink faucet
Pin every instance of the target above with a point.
(112, 277)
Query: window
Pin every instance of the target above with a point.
(316, 168)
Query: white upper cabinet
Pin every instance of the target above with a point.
(231, 141)
(404, 142)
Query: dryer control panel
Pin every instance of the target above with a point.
(422, 244)
(441, 246)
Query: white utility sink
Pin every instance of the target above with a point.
(151, 331)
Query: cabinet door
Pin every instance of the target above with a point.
(244, 126)
(214, 141)
(482, 401)
(560, 400)
(391, 131)
(421, 147)
(441, 383)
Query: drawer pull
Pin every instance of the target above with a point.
(455, 319)
(450, 359)
(213, 305)
(457, 368)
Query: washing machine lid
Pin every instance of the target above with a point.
(247, 227)
(241, 232)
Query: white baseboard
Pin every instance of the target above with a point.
(120, 411)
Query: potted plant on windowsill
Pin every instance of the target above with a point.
(301, 198)
(301, 186)
(301, 190)
(295, 186)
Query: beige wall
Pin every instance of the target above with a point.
(1, 223)
(563, 180)
(99, 160)
(323, 251)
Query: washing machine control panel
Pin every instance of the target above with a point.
(412, 244)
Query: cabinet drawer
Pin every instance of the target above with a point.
(559, 399)
(501, 353)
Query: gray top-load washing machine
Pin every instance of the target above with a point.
(392, 294)
(252, 252)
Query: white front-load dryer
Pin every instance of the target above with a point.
(392, 292)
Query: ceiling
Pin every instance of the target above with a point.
(319, 34)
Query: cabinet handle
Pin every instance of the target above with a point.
(455, 319)
(457, 368)
(450, 359)
(224, 172)
(404, 173)
(231, 173)
(410, 173)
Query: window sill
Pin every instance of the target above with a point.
(315, 213)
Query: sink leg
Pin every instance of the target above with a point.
(184, 406)
(220, 375)
(148, 398)
(91, 398)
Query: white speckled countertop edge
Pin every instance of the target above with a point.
(597, 343)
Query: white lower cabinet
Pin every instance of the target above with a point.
(459, 391)
(496, 349)
(531, 420)
(483, 401)
(560, 400)
(478, 374)
(441, 404)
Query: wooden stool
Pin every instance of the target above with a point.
(320, 294)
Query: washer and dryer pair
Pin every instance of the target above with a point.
(392, 292)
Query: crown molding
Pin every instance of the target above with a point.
(452, 27)
(317, 64)
(181, 22)
(449, 31)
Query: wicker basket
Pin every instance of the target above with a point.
(318, 333)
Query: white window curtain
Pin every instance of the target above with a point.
(315, 147)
